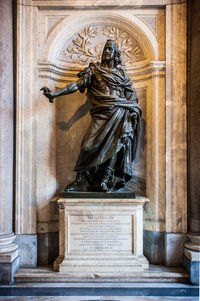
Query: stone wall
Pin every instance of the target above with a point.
(49, 135)
(51, 138)
(193, 116)
(40, 126)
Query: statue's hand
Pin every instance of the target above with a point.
(48, 93)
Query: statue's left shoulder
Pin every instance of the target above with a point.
(122, 70)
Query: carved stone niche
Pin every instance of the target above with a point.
(49, 136)
(67, 48)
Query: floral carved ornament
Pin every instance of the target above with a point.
(87, 45)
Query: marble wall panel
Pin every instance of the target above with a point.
(155, 211)
(96, 3)
(176, 116)
(9, 261)
(72, 120)
(26, 120)
(46, 157)
(6, 119)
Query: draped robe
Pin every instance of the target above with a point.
(111, 121)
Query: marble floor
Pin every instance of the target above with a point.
(99, 292)
(99, 298)
(156, 284)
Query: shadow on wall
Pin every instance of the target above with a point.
(80, 112)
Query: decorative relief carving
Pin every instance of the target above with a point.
(87, 45)
(150, 21)
(52, 22)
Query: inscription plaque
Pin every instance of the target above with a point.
(100, 239)
(100, 234)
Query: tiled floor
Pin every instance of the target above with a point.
(99, 292)
(99, 298)
(156, 284)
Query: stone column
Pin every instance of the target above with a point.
(8, 249)
(192, 247)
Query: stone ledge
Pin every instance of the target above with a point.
(89, 199)
(193, 269)
(7, 271)
(8, 257)
(155, 273)
(192, 255)
(98, 195)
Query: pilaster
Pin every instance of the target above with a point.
(8, 249)
(176, 132)
(192, 246)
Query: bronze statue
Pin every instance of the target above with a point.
(109, 146)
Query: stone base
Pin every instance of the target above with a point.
(9, 260)
(191, 263)
(98, 195)
(47, 247)
(100, 237)
(154, 246)
(7, 271)
(164, 248)
(174, 247)
(101, 267)
(27, 250)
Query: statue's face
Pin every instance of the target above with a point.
(108, 51)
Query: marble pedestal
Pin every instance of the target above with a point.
(192, 257)
(9, 259)
(100, 237)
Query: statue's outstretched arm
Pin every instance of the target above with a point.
(68, 89)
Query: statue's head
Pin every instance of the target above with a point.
(111, 52)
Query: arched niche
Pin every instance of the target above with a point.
(41, 33)
(67, 28)
(69, 115)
